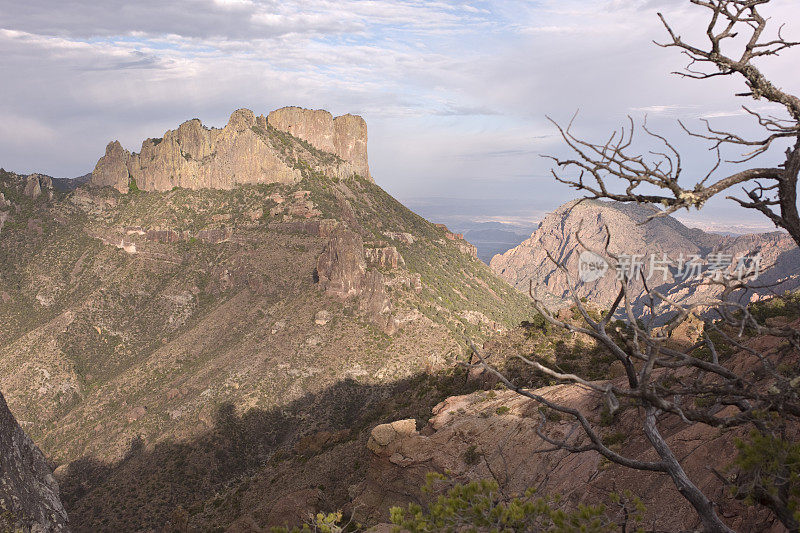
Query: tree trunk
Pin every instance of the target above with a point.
(704, 507)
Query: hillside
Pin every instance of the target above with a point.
(138, 317)
(563, 231)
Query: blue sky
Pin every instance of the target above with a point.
(455, 94)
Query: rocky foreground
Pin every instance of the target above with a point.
(492, 434)
(29, 499)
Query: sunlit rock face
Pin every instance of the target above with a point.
(344, 136)
(249, 149)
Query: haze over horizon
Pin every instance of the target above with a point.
(455, 94)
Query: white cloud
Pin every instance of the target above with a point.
(454, 92)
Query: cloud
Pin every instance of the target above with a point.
(454, 92)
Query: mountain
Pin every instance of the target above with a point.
(187, 320)
(469, 217)
(632, 234)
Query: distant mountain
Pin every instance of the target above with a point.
(561, 230)
(468, 217)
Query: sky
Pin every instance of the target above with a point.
(456, 94)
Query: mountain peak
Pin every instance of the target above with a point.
(249, 149)
(567, 231)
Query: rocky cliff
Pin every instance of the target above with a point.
(29, 500)
(249, 149)
(494, 434)
(344, 136)
(569, 230)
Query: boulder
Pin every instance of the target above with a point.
(322, 317)
(385, 434)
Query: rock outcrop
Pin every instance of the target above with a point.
(342, 272)
(341, 268)
(247, 150)
(458, 238)
(29, 498)
(36, 184)
(384, 256)
(493, 434)
(344, 136)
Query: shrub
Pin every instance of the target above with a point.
(480, 506)
(471, 456)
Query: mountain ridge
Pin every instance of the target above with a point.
(135, 312)
(632, 234)
(249, 149)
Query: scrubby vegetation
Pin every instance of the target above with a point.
(480, 506)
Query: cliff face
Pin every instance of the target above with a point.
(249, 149)
(29, 498)
(344, 136)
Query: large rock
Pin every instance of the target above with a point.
(195, 157)
(342, 272)
(344, 136)
(375, 302)
(341, 268)
(36, 184)
(384, 257)
(29, 499)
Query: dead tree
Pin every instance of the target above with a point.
(737, 38)
(756, 390)
(661, 380)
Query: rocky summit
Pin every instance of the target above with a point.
(249, 149)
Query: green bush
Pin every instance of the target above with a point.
(479, 506)
(769, 465)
